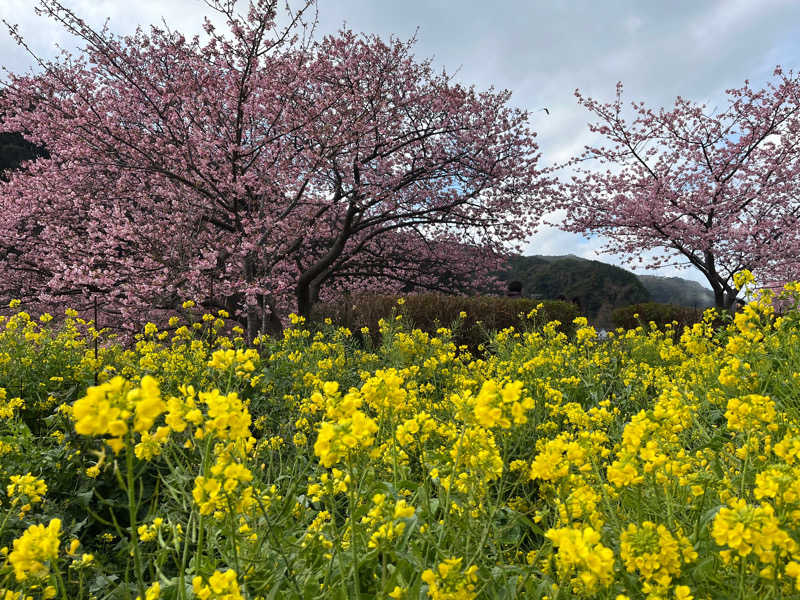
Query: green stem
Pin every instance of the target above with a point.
(394, 449)
(60, 581)
(200, 540)
(330, 505)
(190, 524)
(495, 507)
(700, 513)
(446, 519)
(204, 468)
(5, 520)
(745, 465)
(667, 504)
(134, 536)
(741, 578)
(353, 530)
(277, 541)
(234, 534)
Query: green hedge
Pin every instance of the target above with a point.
(630, 317)
(431, 311)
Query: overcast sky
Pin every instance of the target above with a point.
(541, 50)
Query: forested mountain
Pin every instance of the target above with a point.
(599, 287)
(674, 290)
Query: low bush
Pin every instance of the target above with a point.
(472, 318)
(630, 317)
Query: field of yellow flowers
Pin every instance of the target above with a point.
(648, 464)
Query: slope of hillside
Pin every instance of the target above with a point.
(597, 286)
(674, 290)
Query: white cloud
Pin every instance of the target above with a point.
(44, 35)
(633, 24)
(729, 17)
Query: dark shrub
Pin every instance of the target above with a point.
(630, 317)
(430, 311)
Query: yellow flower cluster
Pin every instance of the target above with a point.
(183, 410)
(582, 559)
(498, 406)
(351, 431)
(450, 581)
(384, 392)
(781, 484)
(750, 412)
(558, 457)
(655, 553)
(37, 546)
(152, 593)
(335, 441)
(8, 407)
(226, 489)
(652, 444)
(149, 532)
(314, 534)
(744, 529)
(26, 490)
(417, 428)
(474, 461)
(219, 586)
(385, 523)
(112, 408)
(242, 362)
(227, 418)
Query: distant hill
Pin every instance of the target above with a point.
(598, 286)
(674, 290)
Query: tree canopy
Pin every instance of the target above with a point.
(716, 188)
(254, 169)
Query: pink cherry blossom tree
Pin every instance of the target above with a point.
(254, 170)
(410, 157)
(719, 189)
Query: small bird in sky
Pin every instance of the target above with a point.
(545, 110)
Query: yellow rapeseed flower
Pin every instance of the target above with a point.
(220, 586)
(33, 549)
